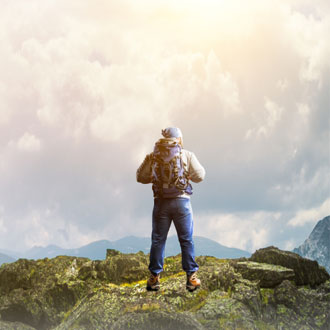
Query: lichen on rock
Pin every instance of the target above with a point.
(267, 275)
(307, 272)
(77, 293)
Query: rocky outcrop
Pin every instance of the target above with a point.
(77, 293)
(14, 326)
(268, 276)
(117, 268)
(157, 320)
(38, 293)
(307, 272)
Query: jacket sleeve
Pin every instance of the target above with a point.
(143, 173)
(196, 171)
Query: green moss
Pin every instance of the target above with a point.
(266, 294)
(66, 315)
(166, 278)
(133, 284)
(144, 307)
(281, 310)
(260, 325)
(223, 321)
(216, 260)
(51, 294)
(32, 272)
(320, 320)
(195, 302)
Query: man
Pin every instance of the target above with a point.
(169, 168)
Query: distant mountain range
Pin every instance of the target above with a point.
(132, 244)
(4, 258)
(317, 245)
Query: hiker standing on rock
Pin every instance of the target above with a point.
(169, 168)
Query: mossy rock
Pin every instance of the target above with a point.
(223, 312)
(267, 275)
(76, 293)
(97, 310)
(116, 268)
(220, 275)
(308, 306)
(122, 268)
(161, 320)
(307, 272)
(249, 294)
(36, 293)
(103, 307)
(14, 326)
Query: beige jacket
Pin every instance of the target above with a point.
(196, 171)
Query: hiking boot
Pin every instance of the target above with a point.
(193, 282)
(153, 282)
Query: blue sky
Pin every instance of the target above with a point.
(86, 88)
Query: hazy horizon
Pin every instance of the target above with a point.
(111, 241)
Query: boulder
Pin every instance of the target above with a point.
(296, 304)
(220, 311)
(267, 275)
(14, 326)
(125, 268)
(160, 320)
(307, 272)
(117, 268)
(38, 292)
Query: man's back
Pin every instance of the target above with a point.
(196, 171)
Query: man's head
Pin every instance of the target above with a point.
(173, 132)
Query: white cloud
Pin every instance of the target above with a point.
(28, 142)
(303, 109)
(5, 110)
(290, 245)
(282, 84)
(267, 120)
(315, 51)
(303, 186)
(48, 115)
(91, 90)
(2, 226)
(247, 231)
(311, 215)
(3, 229)
(273, 115)
(41, 227)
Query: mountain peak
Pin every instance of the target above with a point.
(317, 245)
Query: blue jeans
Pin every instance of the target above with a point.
(165, 210)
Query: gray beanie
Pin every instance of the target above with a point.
(172, 132)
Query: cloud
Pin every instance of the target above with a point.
(272, 115)
(314, 52)
(2, 223)
(253, 230)
(310, 215)
(85, 97)
(282, 84)
(247, 231)
(28, 142)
